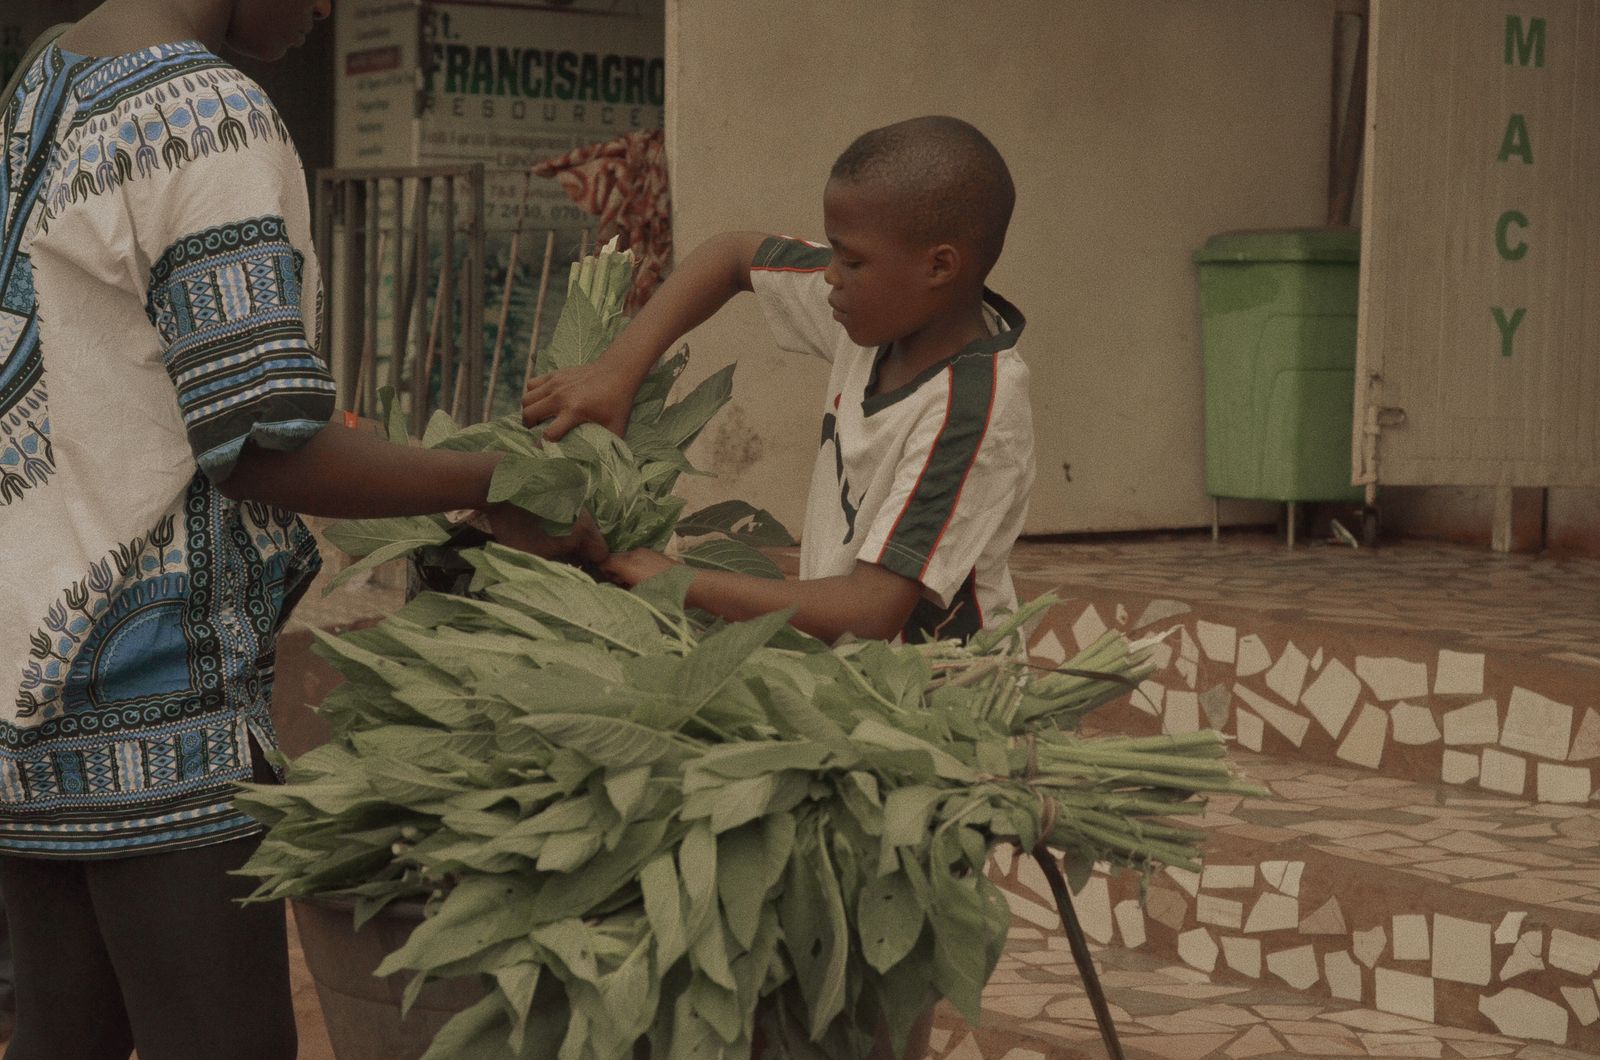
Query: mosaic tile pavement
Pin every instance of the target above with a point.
(1035, 1009)
(1477, 913)
(1420, 663)
(1517, 604)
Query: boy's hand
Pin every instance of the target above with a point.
(628, 569)
(516, 528)
(589, 393)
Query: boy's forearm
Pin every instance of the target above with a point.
(696, 288)
(356, 474)
(872, 603)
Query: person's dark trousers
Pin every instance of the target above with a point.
(8, 977)
(152, 951)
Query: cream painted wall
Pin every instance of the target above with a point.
(1135, 129)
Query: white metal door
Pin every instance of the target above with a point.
(1479, 343)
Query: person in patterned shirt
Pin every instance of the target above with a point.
(163, 418)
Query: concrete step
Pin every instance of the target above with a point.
(1419, 900)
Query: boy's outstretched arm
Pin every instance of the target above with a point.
(603, 392)
(871, 601)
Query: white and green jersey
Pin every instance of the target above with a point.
(930, 480)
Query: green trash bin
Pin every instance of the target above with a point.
(1278, 329)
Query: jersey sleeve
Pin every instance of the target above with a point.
(787, 277)
(956, 485)
(232, 286)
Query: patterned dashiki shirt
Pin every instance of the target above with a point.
(159, 303)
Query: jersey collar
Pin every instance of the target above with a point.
(1012, 322)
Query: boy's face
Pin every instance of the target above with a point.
(882, 283)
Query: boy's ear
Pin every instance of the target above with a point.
(944, 264)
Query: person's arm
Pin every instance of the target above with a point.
(357, 474)
(603, 392)
(870, 602)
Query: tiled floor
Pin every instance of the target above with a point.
(1504, 603)
(1477, 913)
(1035, 1009)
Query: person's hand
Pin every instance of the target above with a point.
(630, 568)
(520, 529)
(588, 393)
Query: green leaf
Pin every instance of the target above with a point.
(626, 789)
(576, 895)
(572, 941)
(727, 554)
(551, 488)
(907, 813)
(719, 1007)
(667, 591)
(568, 851)
(518, 983)
(682, 421)
(363, 537)
(739, 520)
(717, 659)
(664, 906)
(962, 941)
(889, 919)
(394, 417)
(875, 733)
(697, 867)
(478, 913)
(730, 805)
(610, 742)
(571, 602)
(816, 934)
(477, 1031)
(709, 951)
(658, 384)
(505, 434)
(755, 759)
(439, 427)
(579, 338)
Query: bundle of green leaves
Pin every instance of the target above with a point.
(624, 483)
(635, 829)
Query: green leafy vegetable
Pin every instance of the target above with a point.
(631, 828)
(624, 483)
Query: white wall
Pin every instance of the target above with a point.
(1135, 129)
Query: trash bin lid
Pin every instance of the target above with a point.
(1283, 244)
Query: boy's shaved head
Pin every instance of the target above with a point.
(949, 178)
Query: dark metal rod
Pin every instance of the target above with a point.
(400, 299)
(352, 275)
(323, 241)
(1080, 952)
(447, 341)
(473, 344)
(367, 397)
(421, 364)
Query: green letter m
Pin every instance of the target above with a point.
(1522, 47)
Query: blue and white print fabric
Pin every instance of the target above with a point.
(158, 310)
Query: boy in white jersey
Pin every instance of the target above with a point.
(926, 461)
